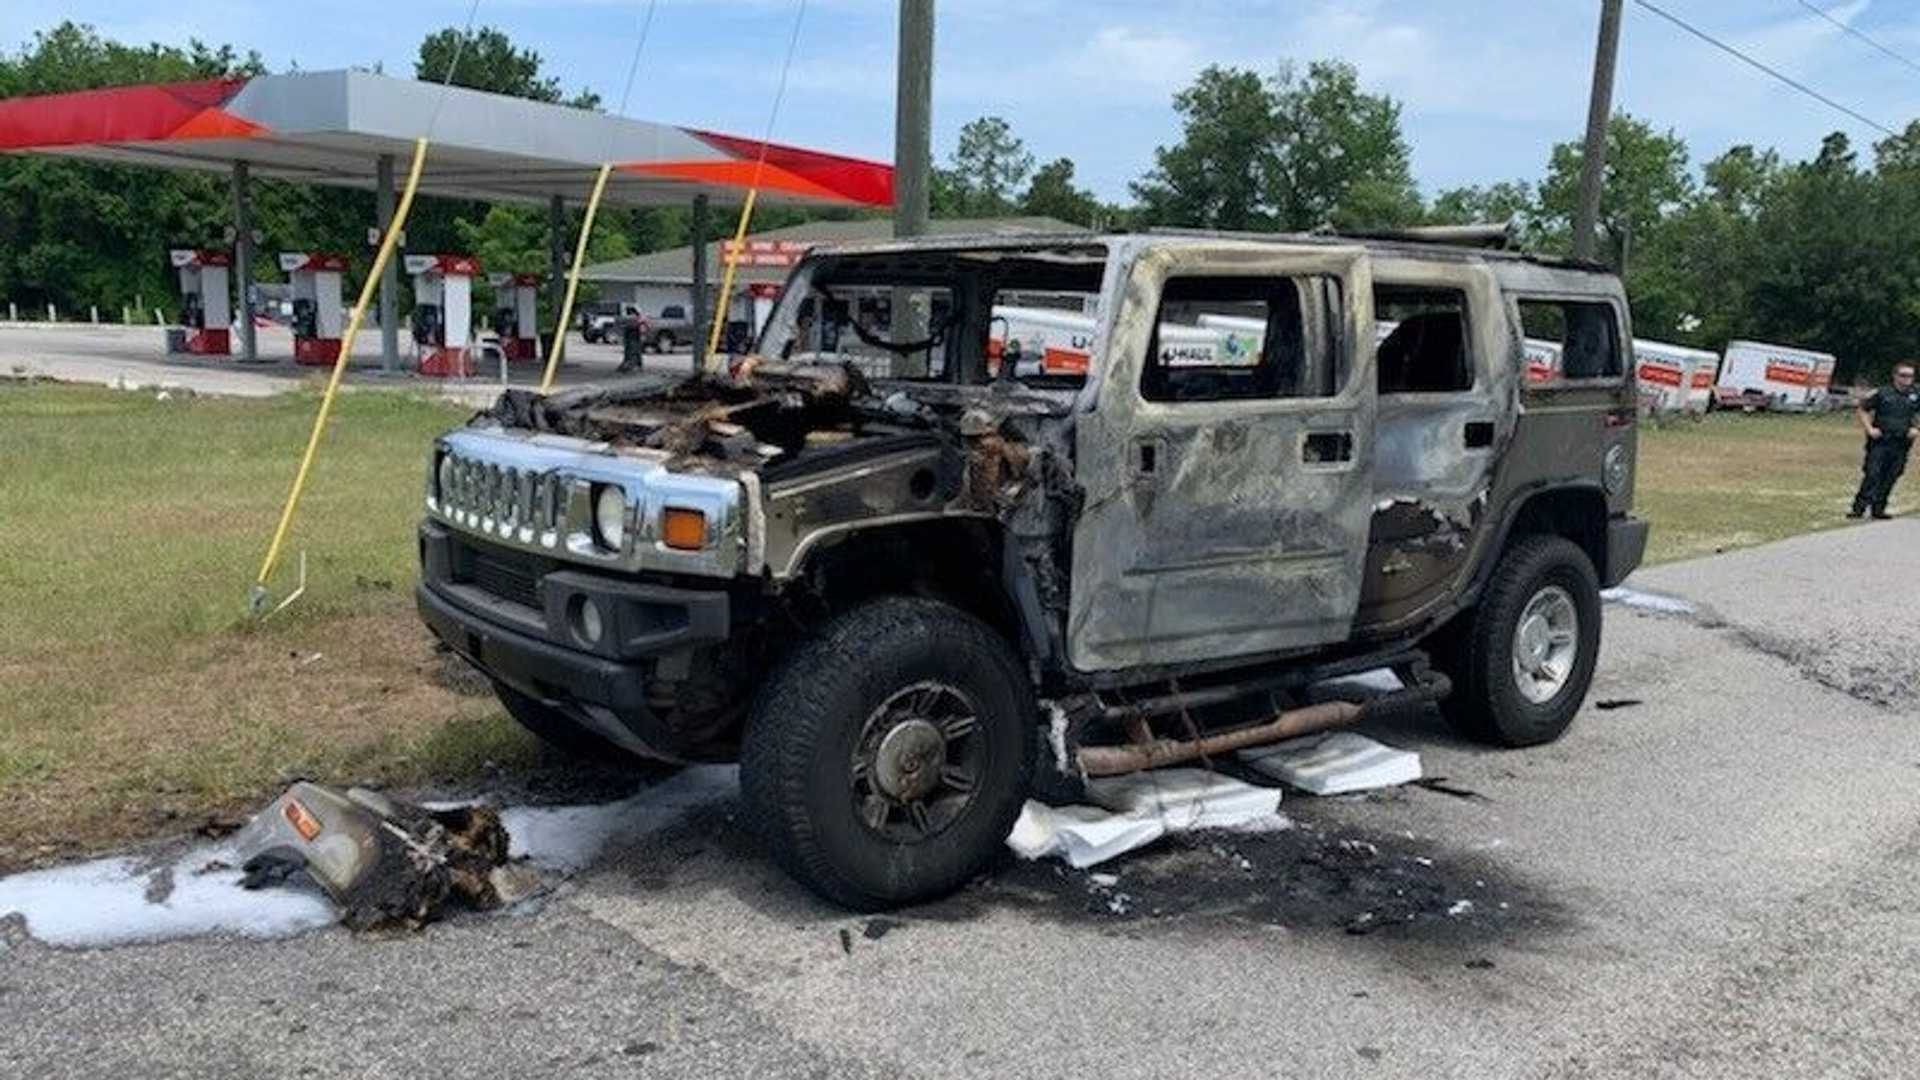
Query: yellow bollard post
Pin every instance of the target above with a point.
(573, 277)
(256, 600)
(726, 276)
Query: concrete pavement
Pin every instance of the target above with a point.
(1717, 876)
(135, 356)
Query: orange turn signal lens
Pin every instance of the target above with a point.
(685, 530)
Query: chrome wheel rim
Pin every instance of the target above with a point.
(1546, 644)
(917, 762)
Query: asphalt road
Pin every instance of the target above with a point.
(135, 356)
(1721, 879)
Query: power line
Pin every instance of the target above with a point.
(646, 27)
(1857, 33)
(1774, 72)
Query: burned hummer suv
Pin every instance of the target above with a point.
(983, 516)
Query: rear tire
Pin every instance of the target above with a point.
(886, 759)
(556, 730)
(663, 342)
(1522, 661)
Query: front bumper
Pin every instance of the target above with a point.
(540, 650)
(1626, 546)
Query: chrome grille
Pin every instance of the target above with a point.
(502, 497)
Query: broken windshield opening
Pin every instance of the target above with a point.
(964, 317)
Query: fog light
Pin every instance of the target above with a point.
(587, 625)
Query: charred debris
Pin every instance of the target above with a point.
(776, 417)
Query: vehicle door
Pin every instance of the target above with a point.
(1227, 472)
(1447, 389)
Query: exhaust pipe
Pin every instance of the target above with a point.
(1153, 753)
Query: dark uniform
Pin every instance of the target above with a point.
(1894, 409)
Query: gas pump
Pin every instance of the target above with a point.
(516, 300)
(318, 316)
(205, 308)
(443, 313)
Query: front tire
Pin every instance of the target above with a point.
(663, 342)
(1522, 661)
(886, 759)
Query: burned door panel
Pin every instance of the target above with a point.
(1437, 437)
(1224, 517)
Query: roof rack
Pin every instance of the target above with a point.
(1499, 236)
(1496, 236)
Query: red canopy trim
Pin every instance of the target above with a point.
(867, 182)
(188, 110)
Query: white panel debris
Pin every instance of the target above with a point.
(1082, 835)
(1185, 798)
(1137, 809)
(1334, 763)
(1647, 601)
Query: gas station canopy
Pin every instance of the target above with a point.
(333, 127)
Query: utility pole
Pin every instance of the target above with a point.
(912, 165)
(1593, 161)
(913, 119)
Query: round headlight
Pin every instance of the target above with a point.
(444, 481)
(610, 517)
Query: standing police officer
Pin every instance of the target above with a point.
(1891, 416)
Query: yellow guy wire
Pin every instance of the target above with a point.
(380, 261)
(732, 259)
(573, 278)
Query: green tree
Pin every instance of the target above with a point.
(1506, 200)
(1646, 179)
(1835, 261)
(1339, 154)
(1737, 179)
(988, 166)
(1293, 152)
(488, 60)
(74, 233)
(1214, 177)
(1053, 194)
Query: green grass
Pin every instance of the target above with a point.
(137, 691)
(1735, 480)
(132, 522)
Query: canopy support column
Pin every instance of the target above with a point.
(556, 256)
(701, 311)
(243, 260)
(383, 208)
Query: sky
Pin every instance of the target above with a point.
(1487, 86)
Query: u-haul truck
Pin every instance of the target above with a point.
(1700, 384)
(1667, 375)
(1051, 342)
(1542, 359)
(1791, 379)
(1056, 342)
